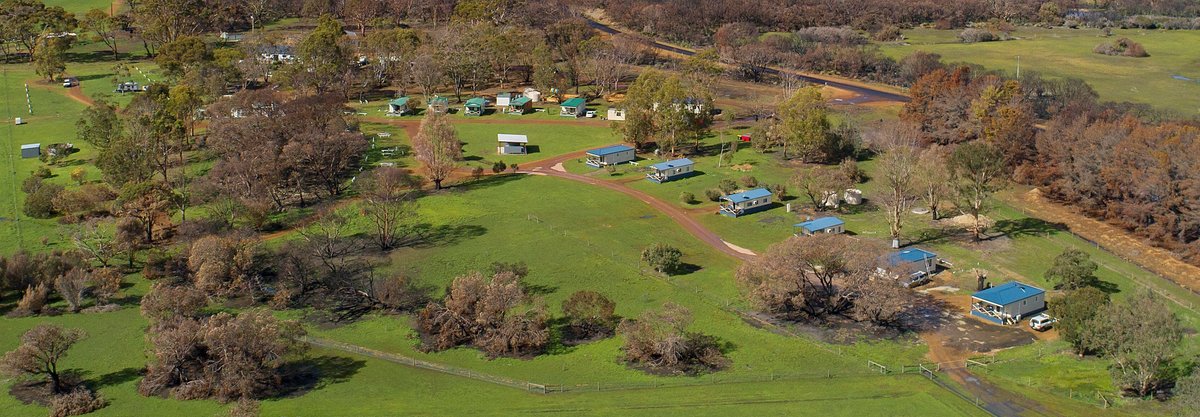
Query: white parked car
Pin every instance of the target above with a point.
(1042, 322)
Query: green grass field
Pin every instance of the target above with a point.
(1068, 53)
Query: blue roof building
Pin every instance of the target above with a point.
(671, 170)
(746, 202)
(910, 261)
(610, 155)
(1008, 303)
(821, 225)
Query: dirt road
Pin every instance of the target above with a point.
(553, 167)
(864, 93)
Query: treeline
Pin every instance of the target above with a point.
(697, 22)
(1116, 162)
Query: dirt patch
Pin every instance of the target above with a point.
(966, 333)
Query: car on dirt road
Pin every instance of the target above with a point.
(915, 279)
(69, 82)
(1042, 322)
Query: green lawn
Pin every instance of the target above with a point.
(80, 7)
(593, 245)
(545, 141)
(1068, 53)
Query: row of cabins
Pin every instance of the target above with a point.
(477, 106)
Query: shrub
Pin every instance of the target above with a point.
(662, 257)
(889, 33)
(1122, 47)
(79, 175)
(33, 301)
(43, 172)
(477, 173)
(832, 35)
(779, 190)
(589, 314)
(713, 194)
(31, 184)
(851, 171)
(498, 167)
(687, 198)
(399, 294)
(727, 186)
(749, 181)
(514, 167)
(78, 402)
(972, 35)
(40, 204)
(659, 340)
(612, 169)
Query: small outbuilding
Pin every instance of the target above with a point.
(398, 106)
(519, 106)
(575, 107)
(616, 114)
(439, 104)
(502, 99)
(610, 155)
(913, 260)
(746, 202)
(1008, 303)
(671, 170)
(831, 225)
(32, 150)
(512, 144)
(475, 106)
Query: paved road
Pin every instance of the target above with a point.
(863, 93)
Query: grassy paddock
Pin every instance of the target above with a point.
(1068, 53)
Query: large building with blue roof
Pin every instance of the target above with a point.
(610, 155)
(746, 202)
(671, 170)
(1008, 303)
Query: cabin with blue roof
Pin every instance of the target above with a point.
(610, 155)
(1008, 303)
(912, 260)
(746, 202)
(671, 170)
(832, 225)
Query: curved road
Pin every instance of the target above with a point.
(865, 93)
(552, 167)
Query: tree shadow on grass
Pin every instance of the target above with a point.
(685, 269)
(115, 378)
(487, 182)
(1025, 227)
(315, 373)
(426, 235)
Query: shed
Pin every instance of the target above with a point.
(519, 105)
(746, 202)
(32, 150)
(575, 107)
(533, 94)
(1008, 303)
(502, 99)
(832, 225)
(913, 260)
(671, 170)
(610, 155)
(512, 144)
(616, 114)
(439, 104)
(474, 106)
(398, 106)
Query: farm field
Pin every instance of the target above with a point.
(1068, 53)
